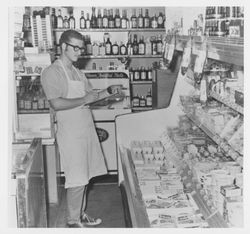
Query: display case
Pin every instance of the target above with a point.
(183, 165)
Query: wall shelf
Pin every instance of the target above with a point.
(115, 30)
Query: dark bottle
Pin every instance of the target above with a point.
(93, 21)
(59, 19)
(149, 75)
(160, 20)
(133, 19)
(99, 19)
(129, 45)
(135, 46)
(88, 22)
(65, 22)
(53, 18)
(141, 46)
(117, 19)
(154, 45)
(72, 23)
(146, 19)
(143, 74)
(108, 47)
(124, 19)
(82, 21)
(123, 49)
(111, 19)
(136, 101)
(105, 19)
(136, 74)
(159, 45)
(140, 19)
(154, 23)
(115, 48)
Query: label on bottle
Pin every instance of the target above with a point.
(141, 48)
(117, 22)
(159, 47)
(87, 24)
(143, 75)
(140, 22)
(59, 23)
(134, 23)
(154, 24)
(199, 62)
(72, 23)
(149, 75)
(136, 102)
(146, 22)
(142, 102)
(149, 100)
(108, 49)
(154, 48)
(115, 49)
(148, 48)
(41, 104)
(82, 23)
(136, 75)
(160, 20)
(105, 22)
(124, 23)
(123, 50)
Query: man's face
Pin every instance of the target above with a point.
(73, 49)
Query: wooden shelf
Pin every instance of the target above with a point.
(141, 108)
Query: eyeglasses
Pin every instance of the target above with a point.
(76, 48)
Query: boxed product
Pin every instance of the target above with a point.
(231, 191)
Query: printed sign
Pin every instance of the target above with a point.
(102, 134)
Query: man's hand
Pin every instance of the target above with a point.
(91, 96)
(113, 89)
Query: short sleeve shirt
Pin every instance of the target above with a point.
(54, 81)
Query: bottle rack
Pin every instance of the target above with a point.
(227, 148)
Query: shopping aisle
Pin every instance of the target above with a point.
(104, 201)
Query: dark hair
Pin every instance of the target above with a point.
(67, 35)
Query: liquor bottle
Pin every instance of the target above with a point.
(108, 47)
(53, 18)
(135, 46)
(65, 22)
(72, 21)
(154, 23)
(148, 49)
(95, 48)
(149, 99)
(149, 75)
(41, 104)
(59, 19)
(142, 101)
(111, 22)
(123, 49)
(115, 48)
(141, 46)
(140, 19)
(136, 74)
(136, 101)
(124, 19)
(89, 48)
(159, 45)
(129, 45)
(117, 19)
(160, 20)
(93, 21)
(88, 21)
(143, 74)
(99, 19)
(131, 74)
(153, 46)
(105, 19)
(133, 19)
(169, 51)
(82, 21)
(146, 19)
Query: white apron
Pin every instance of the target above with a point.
(79, 147)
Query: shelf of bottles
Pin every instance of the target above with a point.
(30, 96)
(114, 30)
(224, 21)
(199, 122)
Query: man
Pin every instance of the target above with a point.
(68, 92)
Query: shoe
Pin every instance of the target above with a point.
(86, 220)
(75, 225)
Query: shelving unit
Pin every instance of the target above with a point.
(115, 30)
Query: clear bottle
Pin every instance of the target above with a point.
(146, 19)
(108, 47)
(141, 46)
(115, 48)
(133, 19)
(135, 46)
(154, 23)
(160, 20)
(88, 22)
(93, 21)
(105, 19)
(124, 19)
(140, 19)
(99, 19)
(117, 19)
(82, 21)
(59, 19)
(65, 22)
(72, 23)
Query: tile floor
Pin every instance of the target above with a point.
(104, 201)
